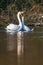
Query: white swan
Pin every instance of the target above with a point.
(13, 27)
(21, 26)
(24, 27)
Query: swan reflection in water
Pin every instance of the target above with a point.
(16, 42)
(11, 49)
(11, 42)
(19, 43)
(20, 47)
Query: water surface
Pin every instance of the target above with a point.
(21, 48)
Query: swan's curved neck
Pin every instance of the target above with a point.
(18, 16)
(22, 20)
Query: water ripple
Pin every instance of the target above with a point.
(37, 37)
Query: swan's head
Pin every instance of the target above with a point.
(20, 13)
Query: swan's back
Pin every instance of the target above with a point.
(12, 27)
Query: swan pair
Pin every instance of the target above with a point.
(21, 26)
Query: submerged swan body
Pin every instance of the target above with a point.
(20, 27)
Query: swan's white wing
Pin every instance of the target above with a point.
(26, 28)
(12, 27)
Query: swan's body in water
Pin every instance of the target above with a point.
(20, 27)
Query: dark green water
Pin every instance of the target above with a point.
(21, 48)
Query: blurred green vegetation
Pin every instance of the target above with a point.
(18, 3)
(9, 8)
